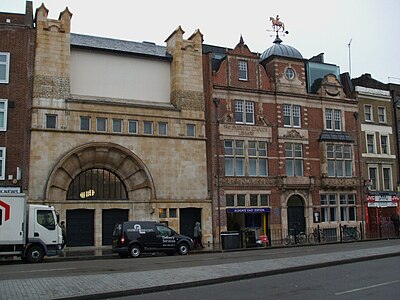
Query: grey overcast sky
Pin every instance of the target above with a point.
(314, 26)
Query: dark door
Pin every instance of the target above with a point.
(80, 227)
(188, 217)
(295, 213)
(109, 218)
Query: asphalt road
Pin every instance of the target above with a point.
(114, 264)
(374, 279)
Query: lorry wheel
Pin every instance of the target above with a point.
(183, 249)
(34, 254)
(135, 251)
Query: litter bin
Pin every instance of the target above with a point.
(230, 240)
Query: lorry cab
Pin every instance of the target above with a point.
(134, 237)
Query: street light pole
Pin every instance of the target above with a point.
(216, 102)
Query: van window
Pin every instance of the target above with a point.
(164, 231)
(117, 230)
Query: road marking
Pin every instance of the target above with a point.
(367, 287)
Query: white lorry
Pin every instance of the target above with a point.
(28, 231)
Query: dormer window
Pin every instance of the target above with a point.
(242, 67)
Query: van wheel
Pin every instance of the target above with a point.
(135, 251)
(34, 254)
(183, 249)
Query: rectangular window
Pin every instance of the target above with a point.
(384, 144)
(264, 200)
(230, 200)
(133, 126)
(190, 129)
(3, 114)
(85, 123)
(162, 128)
(253, 200)
(117, 125)
(329, 207)
(368, 113)
(242, 67)
(173, 213)
(244, 112)
(101, 124)
(147, 127)
(162, 213)
(340, 160)
(51, 121)
(2, 163)
(382, 114)
(294, 159)
(333, 119)
(291, 115)
(4, 67)
(257, 158)
(371, 143)
(347, 207)
(387, 179)
(234, 158)
(241, 200)
(373, 177)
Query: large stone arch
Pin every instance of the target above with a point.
(123, 162)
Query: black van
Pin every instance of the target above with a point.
(134, 237)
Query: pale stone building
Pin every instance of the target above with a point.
(118, 131)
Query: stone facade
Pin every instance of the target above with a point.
(164, 174)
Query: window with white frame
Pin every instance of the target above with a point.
(340, 160)
(333, 119)
(234, 158)
(2, 163)
(244, 112)
(329, 208)
(368, 113)
(51, 121)
(3, 114)
(242, 67)
(191, 129)
(4, 67)
(85, 123)
(384, 144)
(117, 125)
(147, 127)
(162, 128)
(255, 200)
(381, 114)
(101, 124)
(347, 207)
(387, 178)
(257, 156)
(373, 177)
(133, 126)
(294, 159)
(291, 115)
(371, 148)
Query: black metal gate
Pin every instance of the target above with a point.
(80, 227)
(109, 218)
(188, 217)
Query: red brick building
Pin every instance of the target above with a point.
(17, 45)
(286, 137)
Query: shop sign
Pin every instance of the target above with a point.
(382, 200)
(10, 190)
(248, 210)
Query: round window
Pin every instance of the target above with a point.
(289, 73)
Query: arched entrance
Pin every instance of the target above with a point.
(100, 184)
(295, 213)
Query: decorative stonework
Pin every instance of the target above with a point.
(248, 181)
(51, 87)
(188, 100)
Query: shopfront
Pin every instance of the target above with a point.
(251, 223)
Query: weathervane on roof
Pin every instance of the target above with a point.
(277, 25)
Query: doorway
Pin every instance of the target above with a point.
(295, 214)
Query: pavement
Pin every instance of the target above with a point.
(102, 286)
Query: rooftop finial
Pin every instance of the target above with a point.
(278, 25)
